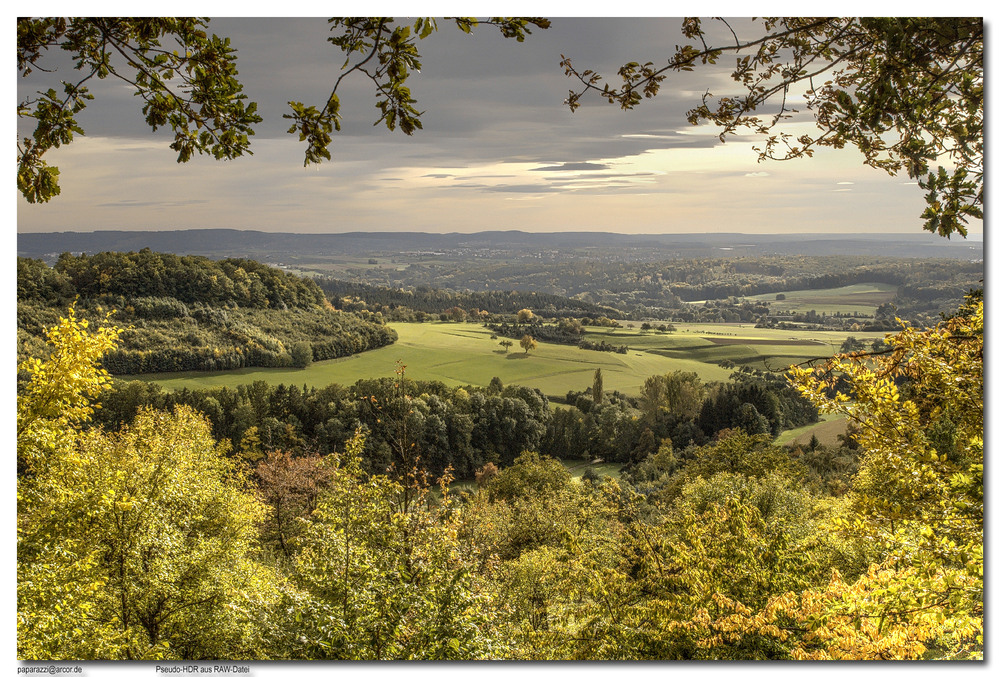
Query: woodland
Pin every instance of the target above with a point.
(191, 313)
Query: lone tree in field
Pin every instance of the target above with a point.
(506, 345)
(598, 389)
(528, 343)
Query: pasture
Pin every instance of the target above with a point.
(826, 431)
(855, 298)
(463, 354)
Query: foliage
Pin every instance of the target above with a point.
(290, 486)
(191, 313)
(148, 274)
(394, 303)
(135, 545)
(59, 391)
(905, 91)
(919, 493)
(678, 392)
(192, 88)
(376, 580)
(457, 428)
(597, 390)
(386, 53)
(603, 346)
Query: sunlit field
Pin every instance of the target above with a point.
(464, 354)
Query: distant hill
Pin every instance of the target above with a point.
(220, 243)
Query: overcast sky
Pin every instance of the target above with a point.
(499, 150)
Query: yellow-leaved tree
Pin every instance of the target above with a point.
(917, 502)
(137, 544)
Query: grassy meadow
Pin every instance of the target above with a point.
(826, 431)
(855, 298)
(464, 354)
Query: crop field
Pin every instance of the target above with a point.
(855, 298)
(743, 344)
(464, 354)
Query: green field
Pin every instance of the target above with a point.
(464, 354)
(826, 431)
(855, 298)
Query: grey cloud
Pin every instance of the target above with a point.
(573, 167)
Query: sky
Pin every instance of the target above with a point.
(499, 150)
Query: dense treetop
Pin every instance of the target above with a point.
(189, 279)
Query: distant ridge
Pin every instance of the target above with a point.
(224, 242)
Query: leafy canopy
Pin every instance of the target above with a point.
(187, 80)
(905, 91)
(135, 545)
(918, 497)
(188, 84)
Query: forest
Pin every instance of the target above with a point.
(191, 313)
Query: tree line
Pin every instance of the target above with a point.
(394, 302)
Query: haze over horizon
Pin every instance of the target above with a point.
(499, 150)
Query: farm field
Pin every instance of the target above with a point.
(826, 431)
(744, 344)
(855, 298)
(464, 354)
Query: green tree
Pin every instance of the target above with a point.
(598, 388)
(189, 83)
(302, 354)
(679, 392)
(905, 91)
(380, 576)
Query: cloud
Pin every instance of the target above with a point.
(153, 203)
(573, 167)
